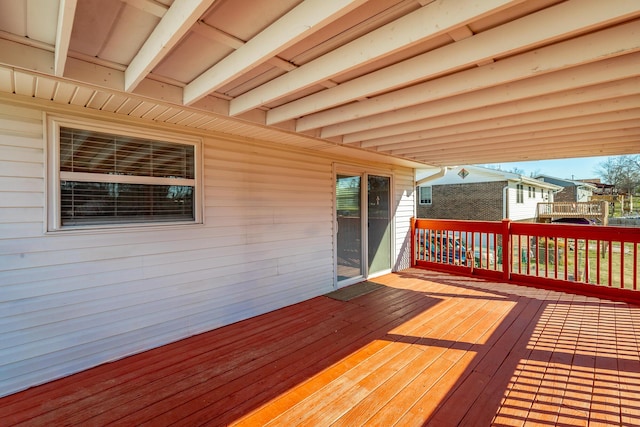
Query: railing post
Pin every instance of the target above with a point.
(413, 241)
(506, 249)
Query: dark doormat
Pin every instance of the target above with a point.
(350, 292)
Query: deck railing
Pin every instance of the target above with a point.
(590, 259)
(597, 209)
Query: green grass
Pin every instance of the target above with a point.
(600, 265)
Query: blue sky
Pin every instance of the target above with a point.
(565, 168)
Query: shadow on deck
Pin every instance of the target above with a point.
(425, 348)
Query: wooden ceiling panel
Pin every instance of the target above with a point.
(194, 54)
(246, 18)
(129, 31)
(39, 26)
(93, 24)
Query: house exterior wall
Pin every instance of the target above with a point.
(73, 300)
(527, 209)
(584, 194)
(483, 201)
(480, 201)
(567, 194)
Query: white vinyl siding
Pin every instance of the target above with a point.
(77, 299)
(403, 211)
(521, 208)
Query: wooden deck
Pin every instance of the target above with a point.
(424, 349)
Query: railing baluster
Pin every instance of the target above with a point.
(635, 266)
(515, 246)
(599, 243)
(622, 244)
(610, 282)
(586, 260)
(576, 277)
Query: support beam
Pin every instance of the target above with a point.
(550, 150)
(516, 135)
(578, 144)
(393, 107)
(544, 27)
(569, 100)
(27, 57)
(175, 23)
(220, 36)
(150, 6)
(66, 14)
(429, 21)
(419, 139)
(306, 18)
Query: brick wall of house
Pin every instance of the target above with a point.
(477, 201)
(567, 194)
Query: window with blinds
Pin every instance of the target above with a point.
(112, 179)
(425, 195)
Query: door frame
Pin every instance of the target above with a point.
(363, 172)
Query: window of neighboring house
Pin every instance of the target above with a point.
(113, 177)
(425, 195)
(519, 193)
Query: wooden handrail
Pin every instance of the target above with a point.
(584, 258)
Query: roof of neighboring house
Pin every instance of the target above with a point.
(566, 182)
(476, 174)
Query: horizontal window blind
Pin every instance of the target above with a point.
(85, 203)
(117, 179)
(96, 152)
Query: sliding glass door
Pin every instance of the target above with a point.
(349, 228)
(363, 236)
(378, 224)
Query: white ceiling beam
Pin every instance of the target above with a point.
(66, 13)
(566, 151)
(611, 129)
(428, 21)
(582, 115)
(460, 33)
(543, 27)
(628, 136)
(541, 149)
(220, 36)
(607, 122)
(175, 23)
(385, 109)
(622, 135)
(306, 18)
(599, 107)
(27, 57)
(215, 34)
(609, 90)
(149, 6)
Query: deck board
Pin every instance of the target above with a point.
(425, 348)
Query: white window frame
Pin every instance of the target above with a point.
(55, 176)
(420, 195)
(519, 193)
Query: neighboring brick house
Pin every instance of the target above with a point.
(572, 191)
(477, 193)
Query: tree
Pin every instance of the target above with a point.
(622, 171)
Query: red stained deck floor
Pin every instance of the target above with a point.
(425, 349)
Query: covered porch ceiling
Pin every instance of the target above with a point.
(442, 82)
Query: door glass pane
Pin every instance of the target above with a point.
(349, 236)
(379, 230)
